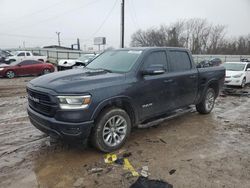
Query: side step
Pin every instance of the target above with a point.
(174, 114)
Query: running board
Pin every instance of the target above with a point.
(175, 113)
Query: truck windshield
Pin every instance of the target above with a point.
(234, 66)
(116, 60)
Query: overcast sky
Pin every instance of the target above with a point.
(36, 22)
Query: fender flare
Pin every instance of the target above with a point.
(111, 101)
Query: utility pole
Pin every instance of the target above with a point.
(122, 24)
(58, 38)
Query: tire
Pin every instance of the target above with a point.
(10, 74)
(106, 136)
(243, 84)
(207, 103)
(46, 71)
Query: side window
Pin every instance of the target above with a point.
(27, 54)
(21, 54)
(179, 61)
(156, 58)
(248, 66)
(29, 62)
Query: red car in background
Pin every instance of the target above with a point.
(26, 67)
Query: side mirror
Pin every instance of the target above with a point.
(248, 69)
(154, 70)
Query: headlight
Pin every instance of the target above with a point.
(1, 69)
(238, 75)
(74, 102)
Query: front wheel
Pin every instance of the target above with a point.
(207, 103)
(243, 84)
(46, 71)
(111, 130)
(10, 74)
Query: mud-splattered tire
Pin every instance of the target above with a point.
(10, 74)
(111, 130)
(207, 103)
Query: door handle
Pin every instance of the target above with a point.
(168, 81)
(192, 76)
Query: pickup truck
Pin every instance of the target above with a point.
(19, 56)
(119, 90)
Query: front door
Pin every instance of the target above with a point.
(153, 91)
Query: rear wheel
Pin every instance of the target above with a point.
(10, 74)
(207, 103)
(46, 71)
(111, 130)
(243, 84)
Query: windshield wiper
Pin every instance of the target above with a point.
(107, 70)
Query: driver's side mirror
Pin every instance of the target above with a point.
(154, 70)
(248, 69)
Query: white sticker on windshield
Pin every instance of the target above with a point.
(134, 52)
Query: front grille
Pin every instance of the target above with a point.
(41, 103)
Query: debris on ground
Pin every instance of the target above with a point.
(125, 155)
(172, 171)
(96, 170)
(144, 171)
(128, 166)
(143, 182)
(112, 158)
(78, 182)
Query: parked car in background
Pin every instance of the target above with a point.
(3, 55)
(82, 61)
(210, 63)
(26, 67)
(237, 73)
(19, 56)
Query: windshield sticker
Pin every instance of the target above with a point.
(134, 52)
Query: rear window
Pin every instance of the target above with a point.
(179, 61)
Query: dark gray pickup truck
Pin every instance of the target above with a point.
(119, 90)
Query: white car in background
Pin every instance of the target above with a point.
(237, 73)
(82, 61)
(19, 56)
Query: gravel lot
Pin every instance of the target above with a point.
(199, 150)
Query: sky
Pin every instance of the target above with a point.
(34, 23)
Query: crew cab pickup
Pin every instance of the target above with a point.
(119, 90)
(19, 56)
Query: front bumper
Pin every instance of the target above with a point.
(233, 81)
(62, 68)
(53, 127)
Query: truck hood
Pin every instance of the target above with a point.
(76, 81)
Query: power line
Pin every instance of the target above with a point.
(104, 21)
(56, 16)
(133, 14)
(32, 14)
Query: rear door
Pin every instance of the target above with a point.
(185, 77)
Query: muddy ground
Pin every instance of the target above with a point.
(199, 150)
